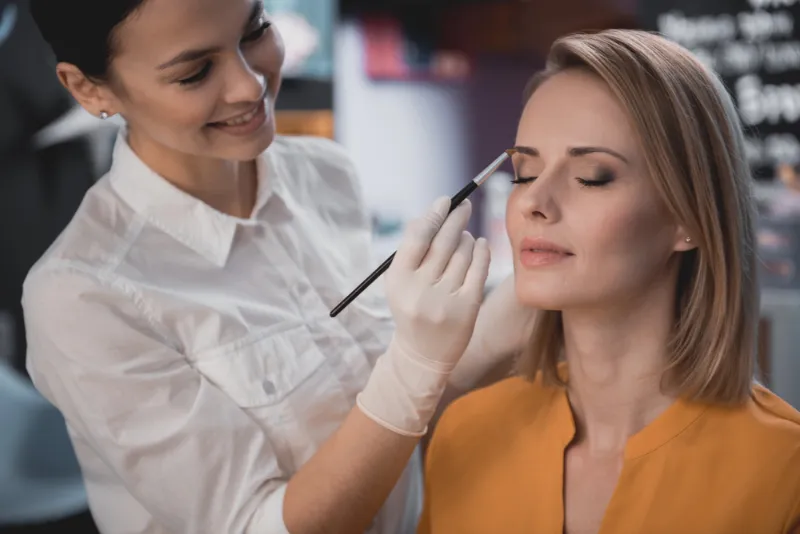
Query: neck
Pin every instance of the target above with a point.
(616, 359)
(227, 186)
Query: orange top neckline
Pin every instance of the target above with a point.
(496, 464)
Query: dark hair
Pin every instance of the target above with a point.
(81, 32)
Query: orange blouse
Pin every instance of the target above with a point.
(495, 466)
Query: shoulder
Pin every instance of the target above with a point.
(318, 172)
(320, 151)
(485, 416)
(771, 421)
(778, 424)
(774, 428)
(99, 232)
(318, 160)
(761, 441)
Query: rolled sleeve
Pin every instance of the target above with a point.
(182, 448)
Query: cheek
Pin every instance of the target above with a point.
(172, 106)
(515, 220)
(629, 238)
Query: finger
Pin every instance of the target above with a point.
(419, 234)
(446, 241)
(456, 270)
(475, 280)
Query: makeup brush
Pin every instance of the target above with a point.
(457, 199)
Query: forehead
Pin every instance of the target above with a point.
(575, 108)
(163, 28)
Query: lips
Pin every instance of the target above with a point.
(241, 119)
(540, 245)
(244, 125)
(539, 253)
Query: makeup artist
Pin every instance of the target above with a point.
(181, 321)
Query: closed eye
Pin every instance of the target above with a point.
(601, 178)
(253, 36)
(198, 77)
(523, 179)
(256, 34)
(592, 183)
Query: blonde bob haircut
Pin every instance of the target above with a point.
(694, 152)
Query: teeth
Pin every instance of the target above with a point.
(241, 120)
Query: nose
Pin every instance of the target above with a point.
(539, 199)
(244, 84)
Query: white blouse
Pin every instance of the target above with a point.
(192, 353)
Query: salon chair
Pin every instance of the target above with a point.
(40, 479)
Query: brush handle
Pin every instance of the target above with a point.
(455, 200)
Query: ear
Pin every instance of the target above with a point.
(95, 97)
(683, 241)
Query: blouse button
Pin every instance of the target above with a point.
(269, 387)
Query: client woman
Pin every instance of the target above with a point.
(632, 225)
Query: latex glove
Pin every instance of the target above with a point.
(434, 288)
(503, 328)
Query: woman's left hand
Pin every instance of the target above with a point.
(501, 332)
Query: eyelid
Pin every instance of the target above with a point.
(197, 76)
(257, 32)
(602, 176)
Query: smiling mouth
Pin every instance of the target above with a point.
(241, 119)
(247, 117)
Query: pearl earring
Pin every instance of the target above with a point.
(103, 115)
(688, 239)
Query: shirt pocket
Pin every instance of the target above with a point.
(285, 382)
(263, 371)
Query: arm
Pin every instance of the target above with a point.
(182, 448)
(194, 459)
(191, 456)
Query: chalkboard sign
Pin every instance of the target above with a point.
(755, 47)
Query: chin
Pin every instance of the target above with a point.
(246, 149)
(539, 298)
(544, 296)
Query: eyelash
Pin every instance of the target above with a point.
(583, 182)
(255, 35)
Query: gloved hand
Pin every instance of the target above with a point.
(503, 329)
(434, 289)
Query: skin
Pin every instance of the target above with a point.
(342, 487)
(616, 289)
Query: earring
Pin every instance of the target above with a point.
(688, 239)
(103, 115)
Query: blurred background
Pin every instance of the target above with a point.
(423, 94)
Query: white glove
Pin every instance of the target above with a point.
(503, 328)
(434, 289)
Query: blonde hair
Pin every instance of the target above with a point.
(694, 151)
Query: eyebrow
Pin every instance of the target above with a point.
(574, 151)
(193, 55)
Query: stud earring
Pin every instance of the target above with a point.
(103, 115)
(688, 239)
